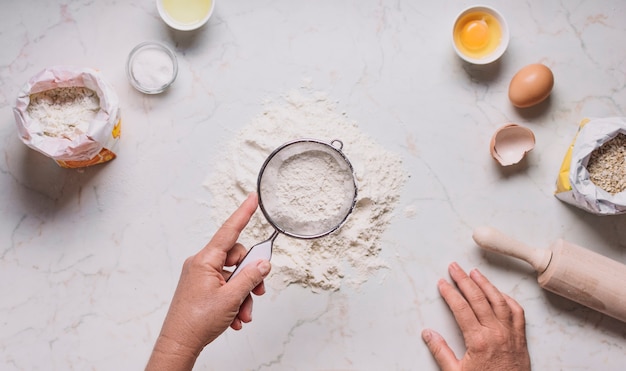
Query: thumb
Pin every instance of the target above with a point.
(250, 277)
(438, 347)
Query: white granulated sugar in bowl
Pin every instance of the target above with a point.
(347, 256)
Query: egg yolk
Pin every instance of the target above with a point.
(475, 34)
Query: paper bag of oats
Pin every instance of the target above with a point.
(69, 114)
(593, 173)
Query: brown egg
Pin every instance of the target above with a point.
(510, 143)
(531, 85)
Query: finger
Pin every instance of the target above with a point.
(235, 255)
(519, 319)
(498, 303)
(438, 347)
(259, 289)
(462, 311)
(236, 324)
(226, 236)
(245, 310)
(473, 294)
(249, 278)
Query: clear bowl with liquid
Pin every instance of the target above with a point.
(185, 15)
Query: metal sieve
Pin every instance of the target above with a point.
(306, 190)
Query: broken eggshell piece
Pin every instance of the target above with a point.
(510, 143)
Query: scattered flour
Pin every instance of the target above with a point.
(349, 255)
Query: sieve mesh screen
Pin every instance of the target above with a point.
(306, 189)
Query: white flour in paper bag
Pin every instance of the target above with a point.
(70, 114)
(350, 255)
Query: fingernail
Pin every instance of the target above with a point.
(427, 335)
(441, 282)
(264, 267)
(454, 267)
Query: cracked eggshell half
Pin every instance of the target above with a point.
(510, 143)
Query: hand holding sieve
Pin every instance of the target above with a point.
(306, 190)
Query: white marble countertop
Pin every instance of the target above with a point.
(89, 258)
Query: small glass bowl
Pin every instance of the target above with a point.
(151, 67)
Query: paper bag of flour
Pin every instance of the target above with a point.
(69, 114)
(593, 173)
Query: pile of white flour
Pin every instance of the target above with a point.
(347, 256)
(64, 112)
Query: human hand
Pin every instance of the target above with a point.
(492, 324)
(204, 304)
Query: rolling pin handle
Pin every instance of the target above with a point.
(493, 240)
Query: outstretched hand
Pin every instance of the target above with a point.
(492, 323)
(204, 304)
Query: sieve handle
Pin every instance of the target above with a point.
(257, 252)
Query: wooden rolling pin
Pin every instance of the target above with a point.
(567, 270)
